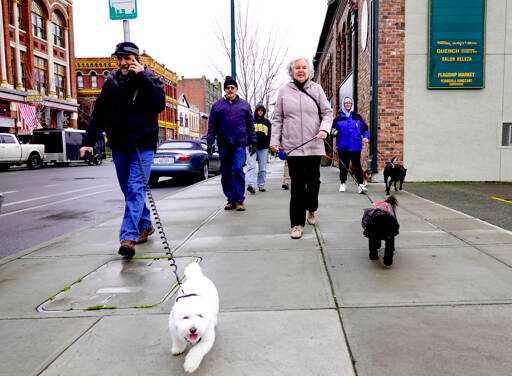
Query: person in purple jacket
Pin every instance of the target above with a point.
(232, 123)
(350, 131)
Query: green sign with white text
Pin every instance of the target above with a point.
(456, 44)
(122, 9)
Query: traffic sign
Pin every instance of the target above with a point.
(122, 9)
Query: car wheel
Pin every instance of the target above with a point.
(34, 162)
(153, 180)
(205, 173)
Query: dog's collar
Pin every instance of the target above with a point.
(185, 296)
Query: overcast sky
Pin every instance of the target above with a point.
(181, 33)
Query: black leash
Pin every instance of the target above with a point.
(295, 148)
(355, 138)
(159, 224)
(353, 177)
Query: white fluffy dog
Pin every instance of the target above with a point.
(194, 316)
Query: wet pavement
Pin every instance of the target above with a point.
(314, 306)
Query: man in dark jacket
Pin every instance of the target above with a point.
(232, 123)
(263, 127)
(127, 108)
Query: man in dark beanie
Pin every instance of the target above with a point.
(232, 123)
(127, 108)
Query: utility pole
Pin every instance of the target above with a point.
(126, 30)
(233, 51)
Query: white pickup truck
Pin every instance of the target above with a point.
(14, 153)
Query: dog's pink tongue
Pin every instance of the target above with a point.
(193, 337)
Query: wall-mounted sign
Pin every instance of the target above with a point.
(456, 44)
(122, 9)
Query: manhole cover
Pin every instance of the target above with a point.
(138, 283)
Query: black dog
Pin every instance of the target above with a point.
(395, 172)
(379, 224)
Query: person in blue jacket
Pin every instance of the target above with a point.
(232, 123)
(350, 131)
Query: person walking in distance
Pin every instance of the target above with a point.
(350, 131)
(232, 123)
(263, 127)
(302, 113)
(127, 108)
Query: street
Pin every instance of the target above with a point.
(40, 205)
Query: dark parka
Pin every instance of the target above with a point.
(232, 123)
(263, 129)
(127, 108)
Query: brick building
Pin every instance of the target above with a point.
(37, 65)
(379, 52)
(203, 93)
(90, 77)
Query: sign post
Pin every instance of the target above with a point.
(123, 10)
(456, 44)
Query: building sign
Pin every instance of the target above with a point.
(456, 51)
(34, 98)
(122, 9)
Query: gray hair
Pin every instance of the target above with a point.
(291, 66)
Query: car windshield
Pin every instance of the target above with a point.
(177, 145)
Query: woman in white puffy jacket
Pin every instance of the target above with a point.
(302, 112)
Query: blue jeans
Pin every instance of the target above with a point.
(136, 214)
(232, 159)
(261, 157)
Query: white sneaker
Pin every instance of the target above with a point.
(361, 188)
(343, 187)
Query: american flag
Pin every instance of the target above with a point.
(28, 118)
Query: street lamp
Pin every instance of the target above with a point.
(233, 52)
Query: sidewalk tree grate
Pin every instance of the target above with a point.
(139, 283)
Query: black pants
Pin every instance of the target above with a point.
(355, 157)
(305, 185)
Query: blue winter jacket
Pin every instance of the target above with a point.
(232, 123)
(351, 129)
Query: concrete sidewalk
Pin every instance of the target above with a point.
(314, 306)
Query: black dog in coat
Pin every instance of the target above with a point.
(379, 224)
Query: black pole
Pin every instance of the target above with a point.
(233, 51)
(374, 116)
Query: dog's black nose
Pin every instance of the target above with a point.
(193, 330)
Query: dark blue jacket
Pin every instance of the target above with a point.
(231, 123)
(351, 131)
(127, 108)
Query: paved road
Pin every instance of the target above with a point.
(43, 204)
(491, 202)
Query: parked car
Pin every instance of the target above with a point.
(183, 158)
(62, 146)
(12, 152)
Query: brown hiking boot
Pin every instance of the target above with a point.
(240, 206)
(144, 234)
(229, 206)
(127, 249)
